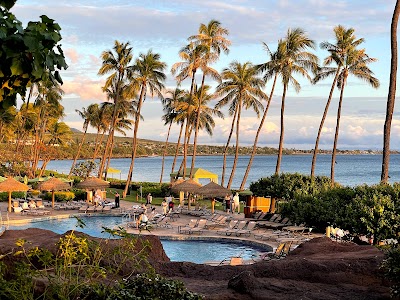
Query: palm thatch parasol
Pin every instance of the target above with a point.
(92, 183)
(53, 184)
(212, 189)
(189, 186)
(11, 185)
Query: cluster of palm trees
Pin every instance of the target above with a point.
(32, 131)
(240, 87)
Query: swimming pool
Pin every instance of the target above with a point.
(197, 251)
(200, 251)
(93, 225)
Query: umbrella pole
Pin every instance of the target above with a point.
(52, 198)
(9, 201)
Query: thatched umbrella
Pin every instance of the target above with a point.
(92, 183)
(212, 190)
(11, 185)
(53, 184)
(189, 186)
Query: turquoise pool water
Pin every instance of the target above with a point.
(198, 251)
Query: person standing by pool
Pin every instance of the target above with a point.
(227, 203)
(116, 199)
(164, 206)
(149, 199)
(236, 203)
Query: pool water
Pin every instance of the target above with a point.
(201, 251)
(197, 251)
(93, 225)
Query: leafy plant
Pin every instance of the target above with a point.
(27, 54)
(391, 267)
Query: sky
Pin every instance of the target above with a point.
(91, 27)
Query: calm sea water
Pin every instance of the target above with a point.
(350, 169)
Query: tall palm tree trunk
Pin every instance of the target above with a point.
(177, 149)
(165, 152)
(391, 96)
(237, 146)
(186, 144)
(106, 150)
(227, 147)
(321, 125)
(109, 159)
(333, 162)
(98, 146)
(253, 152)
(278, 161)
(196, 131)
(77, 153)
(134, 142)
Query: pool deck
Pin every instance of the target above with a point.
(164, 232)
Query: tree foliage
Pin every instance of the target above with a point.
(27, 54)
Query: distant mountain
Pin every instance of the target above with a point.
(74, 130)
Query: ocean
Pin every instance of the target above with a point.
(350, 170)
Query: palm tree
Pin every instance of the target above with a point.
(212, 36)
(169, 117)
(148, 74)
(240, 88)
(292, 58)
(118, 64)
(268, 75)
(391, 95)
(354, 63)
(102, 119)
(48, 108)
(87, 116)
(345, 41)
(192, 59)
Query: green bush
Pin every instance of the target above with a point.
(391, 267)
(287, 185)
(79, 194)
(373, 211)
(60, 196)
(4, 195)
(152, 286)
(154, 188)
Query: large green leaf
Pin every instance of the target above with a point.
(7, 3)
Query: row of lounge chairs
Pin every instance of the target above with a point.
(92, 208)
(35, 208)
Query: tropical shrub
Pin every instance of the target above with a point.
(391, 267)
(4, 195)
(85, 269)
(79, 194)
(373, 211)
(287, 185)
(60, 196)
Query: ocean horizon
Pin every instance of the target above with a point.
(350, 170)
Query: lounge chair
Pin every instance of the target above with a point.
(39, 204)
(201, 226)
(246, 231)
(219, 222)
(284, 222)
(241, 225)
(231, 225)
(16, 207)
(188, 227)
(91, 209)
(273, 220)
(270, 255)
(83, 208)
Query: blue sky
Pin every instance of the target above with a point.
(90, 27)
